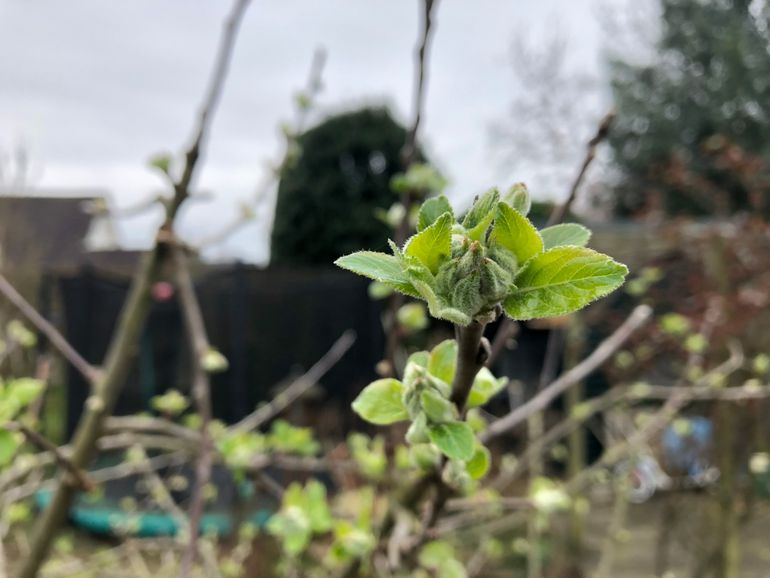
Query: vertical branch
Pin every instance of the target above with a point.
(132, 318)
(210, 101)
(611, 539)
(409, 151)
(472, 354)
(201, 390)
(408, 156)
(602, 132)
(97, 408)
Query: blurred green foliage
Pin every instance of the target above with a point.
(692, 122)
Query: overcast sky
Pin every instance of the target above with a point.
(94, 88)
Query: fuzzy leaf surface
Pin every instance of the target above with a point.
(565, 234)
(515, 233)
(381, 402)
(431, 210)
(455, 439)
(432, 245)
(443, 359)
(561, 281)
(379, 267)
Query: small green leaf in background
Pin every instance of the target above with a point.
(433, 244)
(478, 465)
(172, 402)
(518, 197)
(485, 387)
(434, 553)
(454, 439)
(515, 233)
(22, 391)
(421, 178)
(561, 281)
(288, 438)
(378, 291)
(431, 210)
(437, 408)
(304, 512)
(19, 333)
(419, 359)
(241, 448)
(439, 557)
(548, 496)
(162, 162)
(18, 512)
(9, 442)
(381, 402)
(214, 362)
(565, 234)
(369, 455)
(379, 267)
(317, 507)
(442, 360)
(412, 317)
(674, 324)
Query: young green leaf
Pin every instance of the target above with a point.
(565, 234)
(436, 407)
(442, 360)
(518, 197)
(455, 439)
(431, 210)
(433, 554)
(9, 441)
(172, 402)
(380, 267)
(24, 390)
(433, 244)
(562, 280)
(420, 358)
(481, 209)
(485, 387)
(515, 233)
(381, 402)
(317, 508)
(478, 465)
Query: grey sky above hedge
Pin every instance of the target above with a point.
(95, 88)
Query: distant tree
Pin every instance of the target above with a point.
(691, 132)
(553, 109)
(329, 197)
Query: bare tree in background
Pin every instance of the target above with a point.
(555, 106)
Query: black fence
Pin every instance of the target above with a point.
(269, 324)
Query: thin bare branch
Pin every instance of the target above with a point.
(639, 316)
(201, 390)
(210, 101)
(408, 157)
(56, 339)
(81, 477)
(299, 387)
(561, 211)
